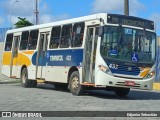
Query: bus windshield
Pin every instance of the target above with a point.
(128, 44)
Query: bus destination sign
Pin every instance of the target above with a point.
(131, 21)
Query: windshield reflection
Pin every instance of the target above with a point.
(128, 44)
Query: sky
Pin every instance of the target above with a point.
(54, 10)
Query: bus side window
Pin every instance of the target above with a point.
(24, 40)
(66, 36)
(32, 41)
(77, 36)
(55, 37)
(9, 40)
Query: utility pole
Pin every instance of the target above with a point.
(11, 11)
(126, 7)
(36, 12)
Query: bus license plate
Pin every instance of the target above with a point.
(130, 83)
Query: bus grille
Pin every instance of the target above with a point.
(128, 70)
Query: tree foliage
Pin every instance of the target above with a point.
(22, 23)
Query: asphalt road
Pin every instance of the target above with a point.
(13, 97)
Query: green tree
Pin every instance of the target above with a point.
(22, 23)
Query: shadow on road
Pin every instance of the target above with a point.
(51, 87)
(133, 95)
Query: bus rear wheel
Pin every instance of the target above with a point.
(122, 92)
(74, 84)
(25, 81)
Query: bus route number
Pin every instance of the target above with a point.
(68, 57)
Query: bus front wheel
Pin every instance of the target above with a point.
(74, 84)
(25, 81)
(122, 92)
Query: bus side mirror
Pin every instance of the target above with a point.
(101, 31)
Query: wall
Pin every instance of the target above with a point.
(2, 77)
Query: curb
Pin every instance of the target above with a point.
(9, 81)
(156, 86)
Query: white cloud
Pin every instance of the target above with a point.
(21, 8)
(1, 21)
(136, 6)
(156, 18)
(46, 18)
(107, 5)
(44, 8)
(116, 6)
(26, 8)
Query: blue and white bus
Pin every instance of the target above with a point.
(109, 51)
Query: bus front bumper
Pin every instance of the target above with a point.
(103, 79)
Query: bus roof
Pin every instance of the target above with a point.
(62, 22)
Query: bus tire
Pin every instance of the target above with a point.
(122, 92)
(24, 79)
(74, 84)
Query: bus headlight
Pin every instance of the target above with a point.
(150, 74)
(105, 69)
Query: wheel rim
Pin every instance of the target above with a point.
(75, 83)
(23, 78)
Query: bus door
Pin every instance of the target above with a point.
(14, 59)
(90, 54)
(42, 54)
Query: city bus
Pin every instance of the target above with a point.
(100, 51)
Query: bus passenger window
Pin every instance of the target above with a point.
(24, 40)
(32, 41)
(77, 36)
(66, 36)
(9, 40)
(55, 37)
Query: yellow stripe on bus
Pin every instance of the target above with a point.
(28, 52)
(6, 58)
(145, 72)
(20, 60)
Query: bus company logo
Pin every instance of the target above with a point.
(129, 68)
(56, 58)
(6, 114)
